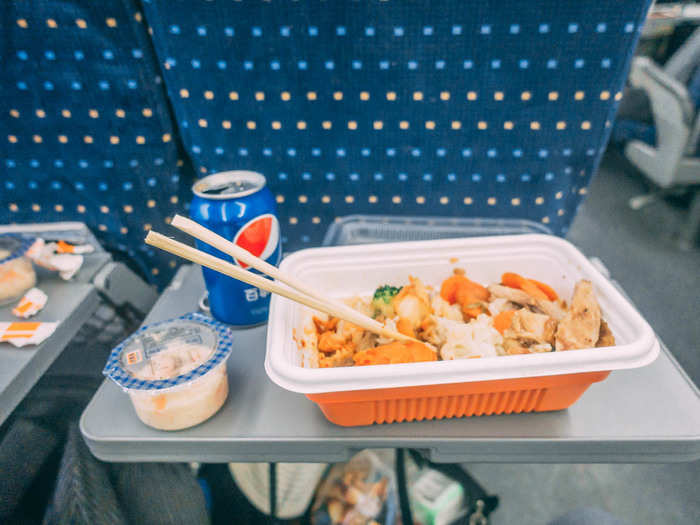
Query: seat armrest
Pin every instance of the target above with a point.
(673, 115)
(669, 98)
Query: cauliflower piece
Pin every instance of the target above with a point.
(390, 324)
(412, 308)
(413, 302)
(443, 309)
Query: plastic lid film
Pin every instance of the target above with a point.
(169, 353)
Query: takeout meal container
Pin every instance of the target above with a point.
(176, 401)
(17, 273)
(364, 395)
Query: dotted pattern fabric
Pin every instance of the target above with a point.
(481, 109)
(87, 133)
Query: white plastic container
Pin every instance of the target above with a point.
(491, 385)
(17, 273)
(174, 371)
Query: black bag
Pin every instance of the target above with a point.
(480, 503)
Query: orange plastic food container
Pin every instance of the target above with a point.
(480, 398)
(353, 396)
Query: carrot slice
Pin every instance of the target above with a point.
(470, 292)
(404, 326)
(448, 290)
(503, 320)
(548, 290)
(396, 352)
(529, 286)
(512, 280)
(532, 290)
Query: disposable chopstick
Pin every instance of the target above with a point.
(204, 259)
(204, 234)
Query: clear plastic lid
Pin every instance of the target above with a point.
(13, 246)
(170, 353)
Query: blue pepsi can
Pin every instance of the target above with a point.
(240, 207)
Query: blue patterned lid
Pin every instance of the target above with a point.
(13, 246)
(169, 353)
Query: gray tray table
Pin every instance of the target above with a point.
(71, 303)
(650, 414)
(20, 368)
(73, 232)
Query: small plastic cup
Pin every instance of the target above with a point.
(174, 371)
(17, 273)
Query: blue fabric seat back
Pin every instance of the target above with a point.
(694, 92)
(88, 133)
(485, 109)
(694, 87)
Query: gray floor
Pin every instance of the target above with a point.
(639, 250)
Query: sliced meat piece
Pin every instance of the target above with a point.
(342, 357)
(431, 333)
(325, 325)
(606, 337)
(350, 332)
(531, 328)
(511, 294)
(551, 308)
(580, 327)
(500, 304)
(330, 342)
(513, 347)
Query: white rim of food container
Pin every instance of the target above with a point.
(643, 351)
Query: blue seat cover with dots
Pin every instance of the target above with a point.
(481, 109)
(87, 131)
(484, 109)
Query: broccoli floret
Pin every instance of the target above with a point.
(382, 300)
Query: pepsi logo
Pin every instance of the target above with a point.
(260, 236)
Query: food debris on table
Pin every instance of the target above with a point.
(23, 333)
(32, 302)
(50, 256)
(17, 274)
(65, 247)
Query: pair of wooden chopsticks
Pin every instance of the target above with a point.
(295, 290)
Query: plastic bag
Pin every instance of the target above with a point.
(369, 489)
(359, 492)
